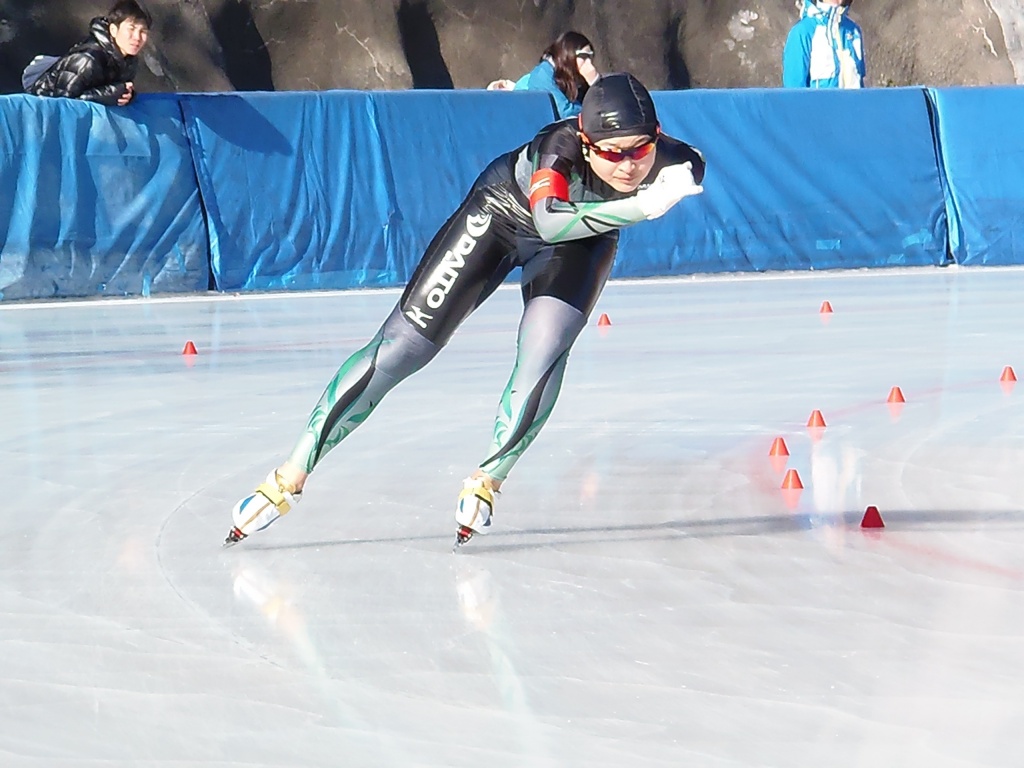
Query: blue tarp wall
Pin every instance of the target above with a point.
(97, 201)
(982, 148)
(341, 189)
(265, 191)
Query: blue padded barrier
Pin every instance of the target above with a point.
(982, 146)
(798, 180)
(97, 201)
(291, 184)
(341, 189)
(344, 189)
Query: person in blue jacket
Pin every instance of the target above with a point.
(825, 49)
(566, 70)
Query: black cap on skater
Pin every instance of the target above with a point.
(618, 105)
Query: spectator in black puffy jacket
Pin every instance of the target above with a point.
(102, 67)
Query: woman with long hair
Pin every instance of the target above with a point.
(566, 70)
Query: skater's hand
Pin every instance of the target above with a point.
(673, 183)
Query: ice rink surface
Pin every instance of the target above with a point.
(650, 597)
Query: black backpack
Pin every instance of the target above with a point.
(36, 69)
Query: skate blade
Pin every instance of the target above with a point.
(463, 535)
(234, 536)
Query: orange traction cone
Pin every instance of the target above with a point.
(778, 448)
(190, 349)
(826, 308)
(792, 480)
(1008, 380)
(604, 320)
(896, 396)
(872, 519)
(816, 419)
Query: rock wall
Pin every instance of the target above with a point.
(217, 45)
(1011, 17)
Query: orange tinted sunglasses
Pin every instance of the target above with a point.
(618, 155)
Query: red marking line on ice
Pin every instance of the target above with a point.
(949, 557)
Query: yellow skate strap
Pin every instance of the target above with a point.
(482, 492)
(275, 497)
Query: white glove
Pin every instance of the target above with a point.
(672, 184)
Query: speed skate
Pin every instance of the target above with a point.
(475, 509)
(261, 508)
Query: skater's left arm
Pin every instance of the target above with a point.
(675, 152)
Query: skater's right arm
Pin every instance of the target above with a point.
(558, 219)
